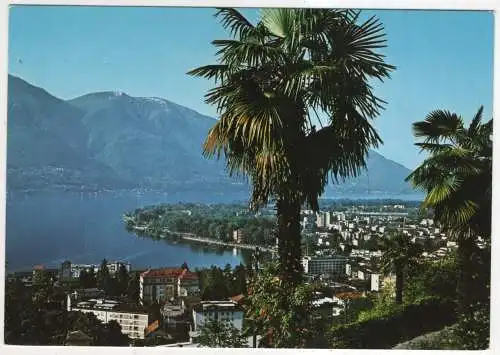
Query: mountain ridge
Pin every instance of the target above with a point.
(111, 140)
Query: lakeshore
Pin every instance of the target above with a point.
(190, 237)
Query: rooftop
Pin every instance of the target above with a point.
(165, 272)
(217, 306)
(108, 305)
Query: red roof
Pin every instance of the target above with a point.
(39, 267)
(166, 272)
(183, 274)
(349, 295)
(188, 275)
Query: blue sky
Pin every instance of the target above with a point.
(444, 59)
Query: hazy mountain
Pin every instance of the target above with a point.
(46, 143)
(115, 141)
(381, 176)
(150, 141)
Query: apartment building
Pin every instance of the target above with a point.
(238, 236)
(188, 284)
(132, 321)
(166, 284)
(335, 264)
(229, 312)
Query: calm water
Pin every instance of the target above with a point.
(47, 229)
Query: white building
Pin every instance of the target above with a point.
(228, 312)
(335, 264)
(133, 322)
(168, 283)
(70, 270)
(378, 281)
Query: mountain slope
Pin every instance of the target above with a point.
(115, 141)
(150, 141)
(381, 176)
(46, 143)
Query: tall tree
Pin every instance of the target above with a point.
(43, 288)
(103, 276)
(133, 288)
(457, 178)
(398, 254)
(276, 80)
(92, 278)
(122, 280)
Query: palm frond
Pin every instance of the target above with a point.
(438, 126)
(235, 22)
(475, 123)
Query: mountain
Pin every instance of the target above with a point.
(381, 176)
(110, 140)
(150, 141)
(46, 144)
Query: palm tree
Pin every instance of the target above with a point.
(273, 80)
(398, 254)
(457, 178)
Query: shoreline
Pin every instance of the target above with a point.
(194, 238)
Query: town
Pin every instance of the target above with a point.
(170, 306)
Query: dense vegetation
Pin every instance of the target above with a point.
(208, 221)
(36, 315)
(220, 284)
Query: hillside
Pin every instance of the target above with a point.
(46, 144)
(110, 140)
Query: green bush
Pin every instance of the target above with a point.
(473, 328)
(390, 330)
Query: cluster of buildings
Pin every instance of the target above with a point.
(346, 250)
(347, 242)
(176, 290)
(133, 320)
(72, 271)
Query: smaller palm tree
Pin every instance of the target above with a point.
(399, 253)
(457, 179)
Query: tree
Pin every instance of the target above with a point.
(218, 334)
(457, 179)
(281, 314)
(133, 288)
(271, 78)
(108, 334)
(43, 288)
(398, 253)
(103, 276)
(112, 335)
(437, 278)
(122, 280)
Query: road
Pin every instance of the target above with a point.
(195, 238)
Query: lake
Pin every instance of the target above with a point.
(48, 228)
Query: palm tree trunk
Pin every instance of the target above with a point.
(289, 248)
(399, 285)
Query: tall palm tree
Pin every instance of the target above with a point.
(275, 81)
(398, 254)
(457, 177)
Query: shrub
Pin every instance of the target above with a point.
(389, 330)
